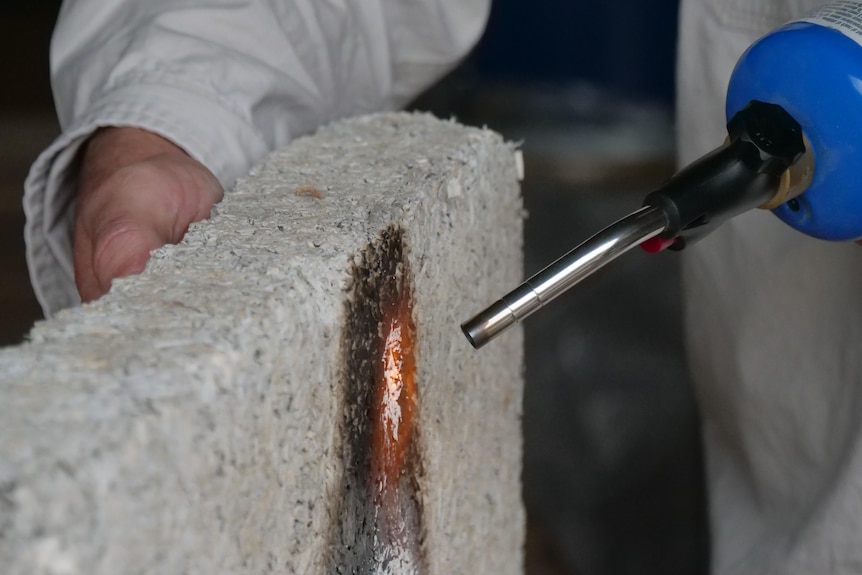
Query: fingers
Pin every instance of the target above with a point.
(135, 195)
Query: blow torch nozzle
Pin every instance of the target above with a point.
(591, 255)
(752, 169)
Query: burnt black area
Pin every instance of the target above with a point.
(380, 278)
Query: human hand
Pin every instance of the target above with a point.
(136, 192)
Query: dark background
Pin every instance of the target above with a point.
(26, 126)
(612, 478)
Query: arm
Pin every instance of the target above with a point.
(222, 81)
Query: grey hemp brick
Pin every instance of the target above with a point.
(211, 416)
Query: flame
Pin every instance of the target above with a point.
(397, 532)
(395, 399)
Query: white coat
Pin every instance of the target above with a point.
(226, 80)
(774, 319)
(774, 331)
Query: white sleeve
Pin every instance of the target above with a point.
(227, 81)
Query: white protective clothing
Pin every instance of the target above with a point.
(226, 80)
(774, 329)
(774, 318)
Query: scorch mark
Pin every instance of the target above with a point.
(379, 513)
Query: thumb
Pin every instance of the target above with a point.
(119, 249)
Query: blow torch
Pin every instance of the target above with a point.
(794, 146)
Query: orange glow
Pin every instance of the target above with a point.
(394, 402)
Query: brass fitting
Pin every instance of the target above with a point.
(795, 180)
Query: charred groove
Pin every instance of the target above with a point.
(378, 518)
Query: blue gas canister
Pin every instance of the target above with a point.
(812, 68)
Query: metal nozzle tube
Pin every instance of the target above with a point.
(582, 261)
